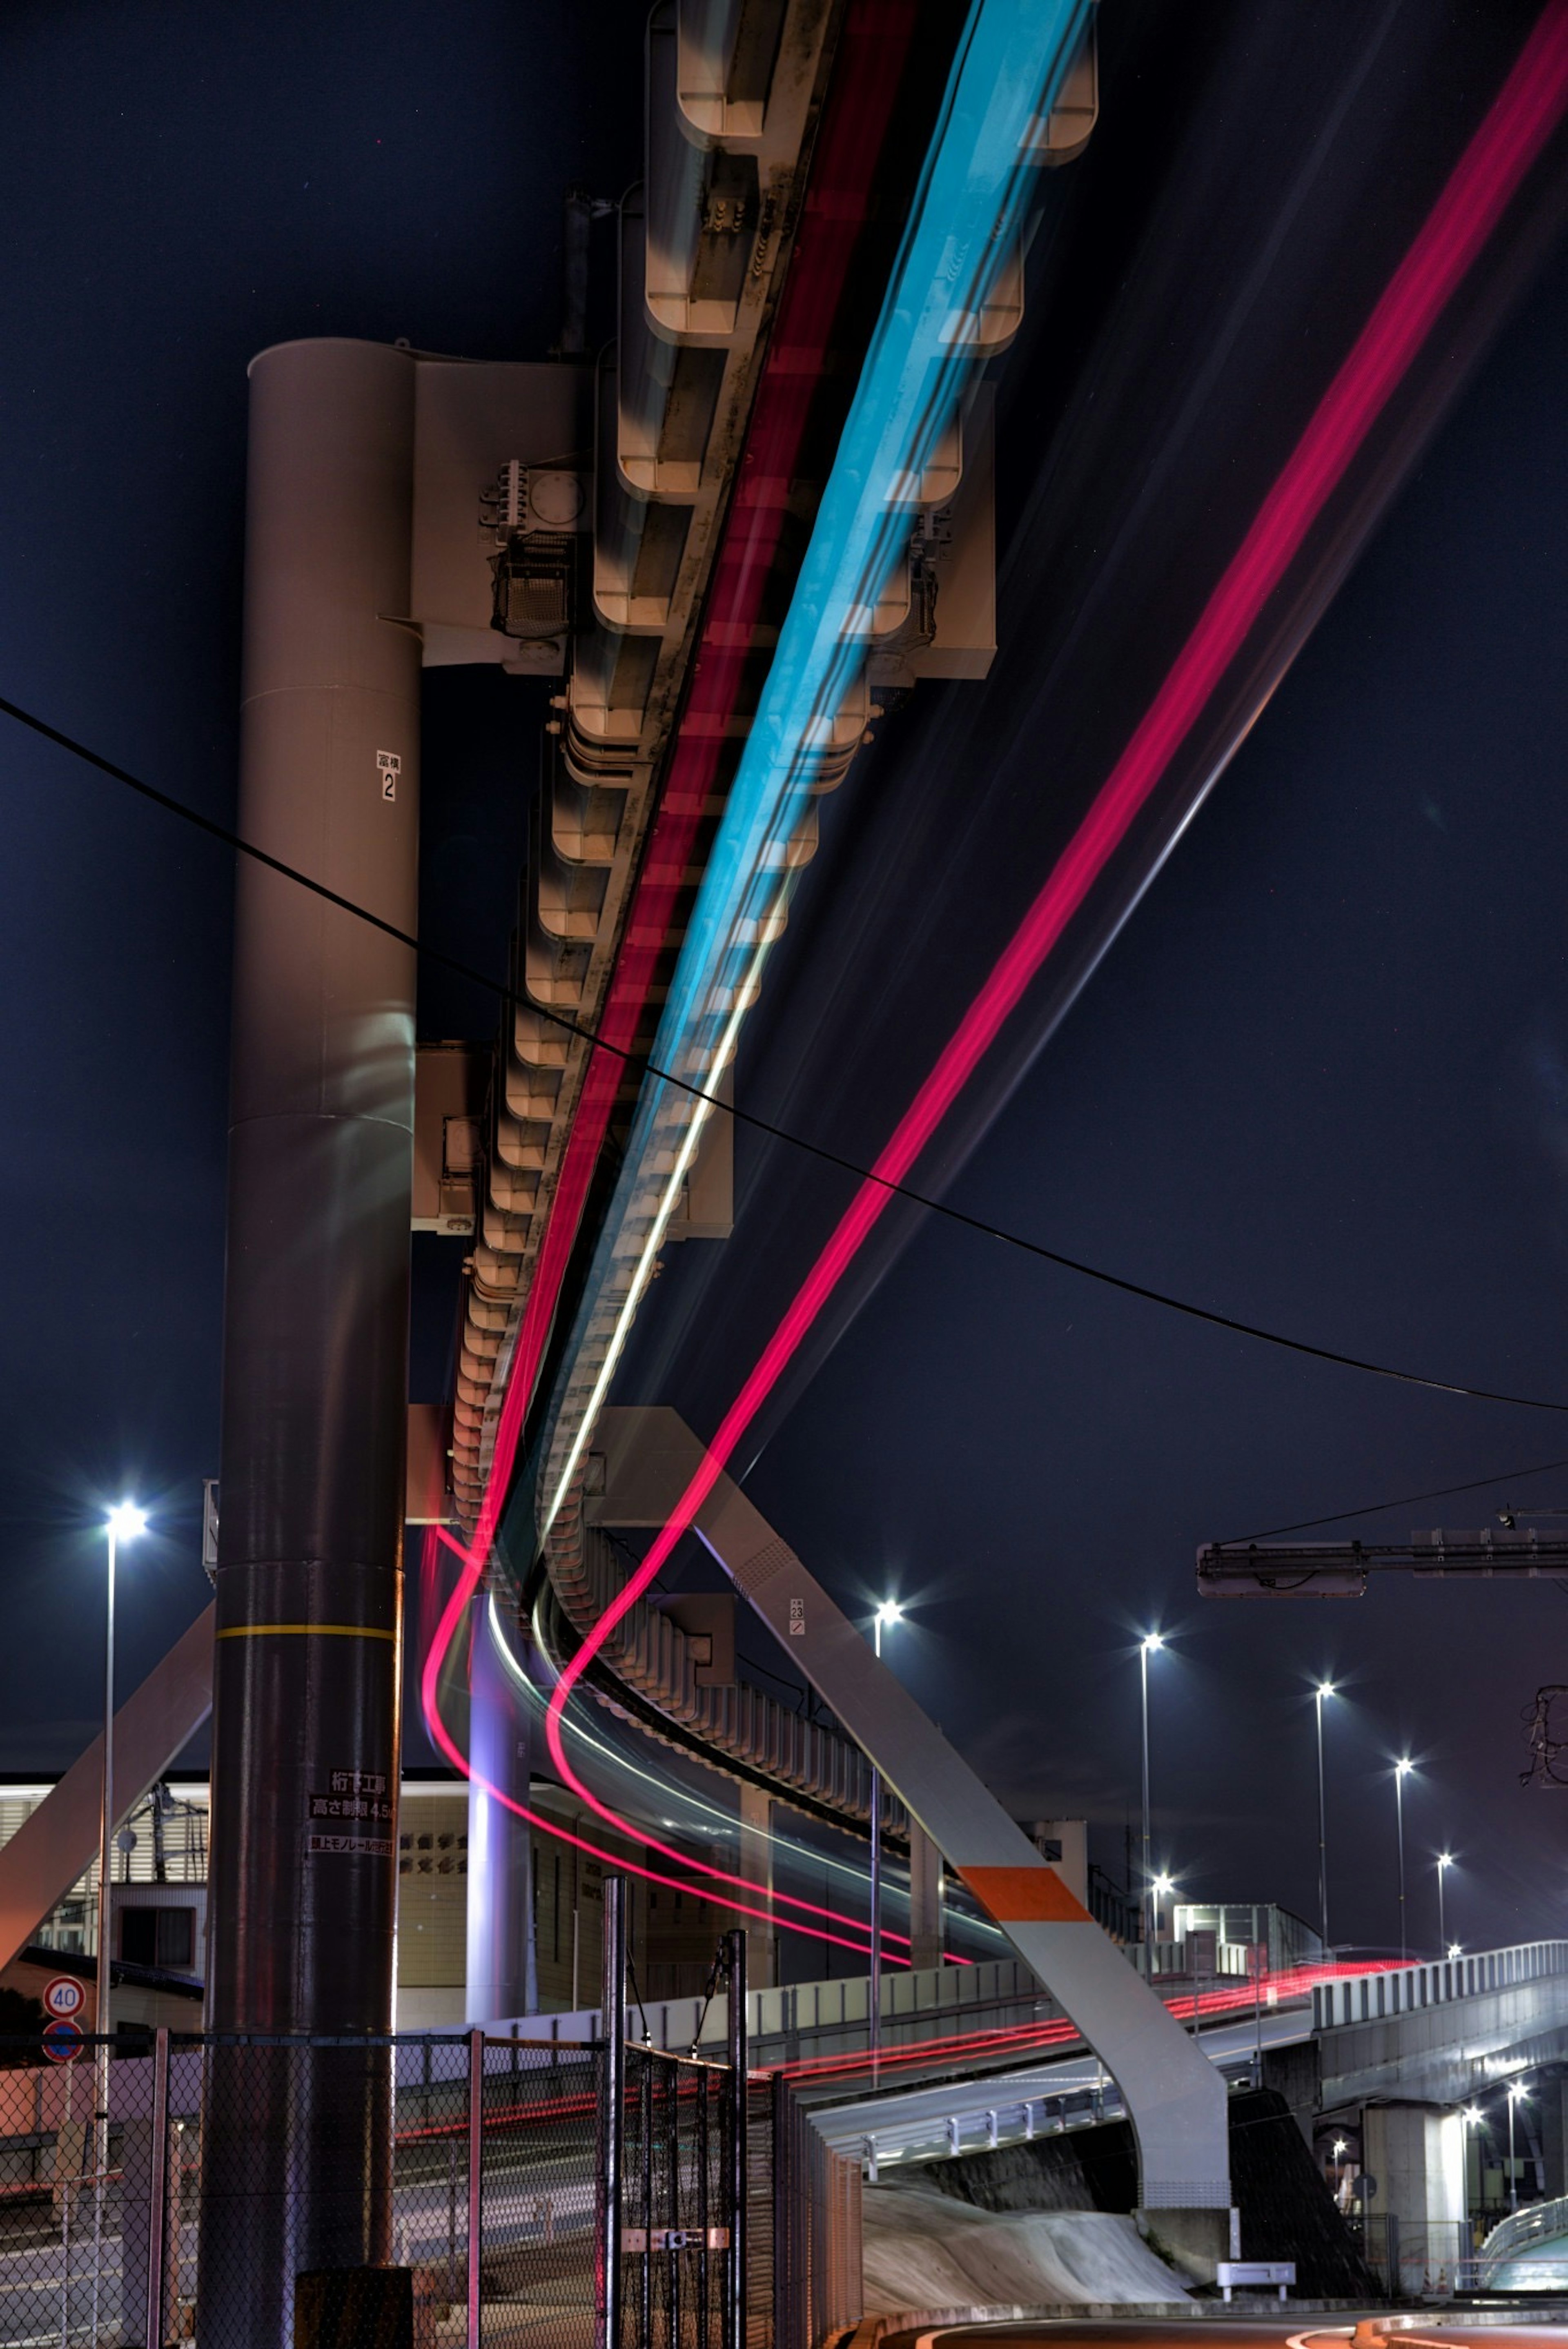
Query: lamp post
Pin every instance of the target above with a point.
(1149, 1645)
(1402, 1769)
(122, 1524)
(1323, 1689)
(1470, 2119)
(1516, 2089)
(1445, 1861)
(888, 1612)
(1160, 1888)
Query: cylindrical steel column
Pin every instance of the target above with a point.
(501, 1979)
(297, 2148)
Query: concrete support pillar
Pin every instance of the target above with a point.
(501, 1981)
(297, 2162)
(1416, 2154)
(925, 1899)
(757, 1868)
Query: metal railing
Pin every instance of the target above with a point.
(786, 2022)
(971, 2129)
(1374, 1997)
(1514, 2243)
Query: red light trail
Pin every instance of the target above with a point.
(1523, 117)
(872, 48)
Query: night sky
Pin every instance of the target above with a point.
(1320, 1082)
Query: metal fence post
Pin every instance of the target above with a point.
(157, 2190)
(475, 2178)
(612, 2112)
(735, 2266)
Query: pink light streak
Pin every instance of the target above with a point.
(872, 49)
(1527, 110)
(442, 1737)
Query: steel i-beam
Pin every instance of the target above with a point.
(1175, 2098)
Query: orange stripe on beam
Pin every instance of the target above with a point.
(1019, 1896)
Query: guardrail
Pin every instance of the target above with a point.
(1374, 1997)
(1511, 2242)
(982, 2128)
(997, 1993)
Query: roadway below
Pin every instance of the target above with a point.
(1032, 2099)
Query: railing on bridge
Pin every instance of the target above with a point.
(1373, 1997)
(1439, 2260)
(1514, 2257)
(800, 2018)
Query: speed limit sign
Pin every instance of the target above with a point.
(64, 1998)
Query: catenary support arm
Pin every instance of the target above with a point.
(1174, 2096)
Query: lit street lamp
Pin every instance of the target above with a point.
(1149, 1645)
(1323, 1689)
(1516, 2090)
(124, 1523)
(888, 1612)
(1402, 1769)
(1471, 2119)
(1445, 1861)
(1160, 1888)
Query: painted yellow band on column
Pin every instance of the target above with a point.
(1020, 1896)
(316, 1630)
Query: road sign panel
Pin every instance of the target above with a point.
(65, 1996)
(63, 2040)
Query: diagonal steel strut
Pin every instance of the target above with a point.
(58, 1841)
(1174, 2096)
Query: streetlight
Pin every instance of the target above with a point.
(1445, 1861)
(1149, 1645)
(1340, 2149)
(887, 1613)
(1517, 2092)
(1471, 2118)
(123, 1523)
(1323, 1689)
(1160, 1888)
(1456, 1950)
(1402, 1769)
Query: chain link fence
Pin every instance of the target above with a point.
(417, 2193)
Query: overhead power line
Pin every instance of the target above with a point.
(644, 1063)
(1400, 1501)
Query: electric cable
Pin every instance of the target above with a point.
(819, 1151)
(1400, 1501)
(1527, 109)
